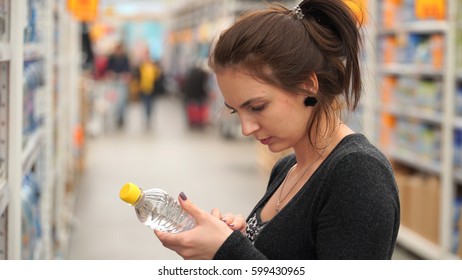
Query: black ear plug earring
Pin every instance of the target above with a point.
(310, 101)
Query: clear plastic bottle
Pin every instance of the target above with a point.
(156, 209)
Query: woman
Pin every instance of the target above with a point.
(288, 74)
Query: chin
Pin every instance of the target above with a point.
(276, 148)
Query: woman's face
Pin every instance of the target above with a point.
(273, 116)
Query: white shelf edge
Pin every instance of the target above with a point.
(417, 26)
(409, 69)
(413, 160)
(414, 112)
(421, 246)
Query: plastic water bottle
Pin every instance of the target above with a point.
(156, 209)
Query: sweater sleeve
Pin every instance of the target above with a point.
(358, 217)
(238, 247)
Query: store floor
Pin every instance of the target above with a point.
(211, 171)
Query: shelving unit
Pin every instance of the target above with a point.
(31, 183)
(416, 55)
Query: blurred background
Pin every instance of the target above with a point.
(79, 117)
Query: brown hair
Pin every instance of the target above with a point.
(278, 48)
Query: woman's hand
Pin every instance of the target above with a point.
(201, 242)
(235, 222)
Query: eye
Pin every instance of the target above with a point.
(258, 108)
(232, 111)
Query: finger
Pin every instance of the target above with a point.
(164, 237)
(240, 223)
(168, 240)
(190, 207)
(216, 213)
(228, 218)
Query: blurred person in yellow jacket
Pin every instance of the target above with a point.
(146, 75)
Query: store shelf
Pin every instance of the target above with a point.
(422, 246)
(40, 35)
(5, 52)
(410, 69)
(421, 26)
(415, 160)
(417, 66)
(4, 196)
(32, 150)
(413, 112)
(34, 51)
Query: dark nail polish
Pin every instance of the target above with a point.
(183, 196)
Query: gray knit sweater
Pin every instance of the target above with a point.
(348, 209)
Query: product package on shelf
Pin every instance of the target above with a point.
(422, 49)
(33, 32)
(399, 93)
(395, 12)
(458, 150)
(411, 140)
(459, 99)
(31, 217)
(33, 80)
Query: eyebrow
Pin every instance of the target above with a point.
(246, 103)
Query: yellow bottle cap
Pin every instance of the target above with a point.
(130, 193)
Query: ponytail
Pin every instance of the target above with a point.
(332, 25)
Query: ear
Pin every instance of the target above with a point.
(312, 84)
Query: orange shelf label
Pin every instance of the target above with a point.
(83, 10)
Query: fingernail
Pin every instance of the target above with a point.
(231, 225)
(183, 196)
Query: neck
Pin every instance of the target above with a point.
(306, 152)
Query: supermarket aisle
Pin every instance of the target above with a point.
(211, 171)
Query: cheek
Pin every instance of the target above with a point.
(292, 122)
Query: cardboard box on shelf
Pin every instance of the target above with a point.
(432, 206)
(420, 202)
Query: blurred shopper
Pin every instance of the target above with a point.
(288, 74)
(118, 72)
(160, 83)
(195, 90)
(147, 74)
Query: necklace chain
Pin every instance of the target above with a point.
(278, 203)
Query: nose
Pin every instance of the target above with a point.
(249, 127)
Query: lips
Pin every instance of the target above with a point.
(265, 141)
